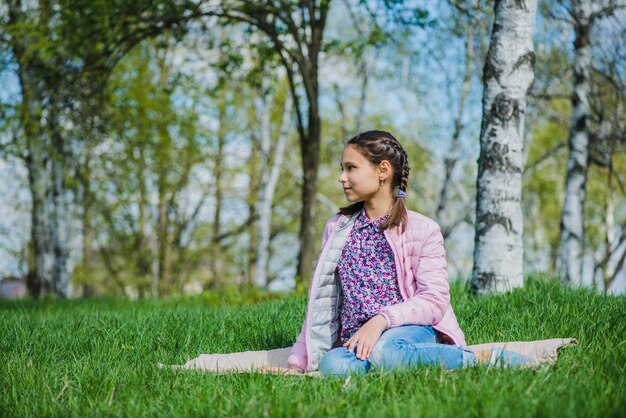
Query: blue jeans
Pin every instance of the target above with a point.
(398, 348)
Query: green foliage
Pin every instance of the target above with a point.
(543, 184)
(550, 116)
(149, 128)
(152, 147)
(108, 366)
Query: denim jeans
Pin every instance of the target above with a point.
(397, 348)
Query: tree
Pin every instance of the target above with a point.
(571, 240)
(296, 30)
(572, 218)
(271, 163)
(145, 182)
(43, 143)
(468, 25)
(607, 134)
(64, 52)
(507, 76)
(551, 119)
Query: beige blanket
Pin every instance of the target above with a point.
(275, 361)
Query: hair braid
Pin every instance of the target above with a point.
(401, 176)
(377, 146)
(404, 176)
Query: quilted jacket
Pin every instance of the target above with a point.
(422, 273)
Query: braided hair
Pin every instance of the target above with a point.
(377, 146)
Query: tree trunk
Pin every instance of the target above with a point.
(87, 204)
(216, 246)
(41, 280)
(507, 76)
(298, 44)
(160, 279)
(58, 222)
(608, 268)
(269, 180)
(310, 149)
(143, 253)
(163, 153)
(253, 196)
(572, 217)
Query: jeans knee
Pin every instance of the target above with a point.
(376, 354)
(391, 355)
(339, 362)
(328, 363)
(396, 354)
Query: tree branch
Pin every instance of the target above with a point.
(530, 168)
(607, 11)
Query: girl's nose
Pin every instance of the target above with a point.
(342, 177)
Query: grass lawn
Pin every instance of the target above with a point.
(98, 357)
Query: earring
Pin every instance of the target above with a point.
(380, 182)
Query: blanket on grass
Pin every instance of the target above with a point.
(275, 361)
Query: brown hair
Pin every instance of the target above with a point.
(377, 146)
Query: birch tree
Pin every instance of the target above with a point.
(572, 229)
(572, 217)
(607, 149)
(43, 143)
(270, 170)
(507, 76)
(217, 264)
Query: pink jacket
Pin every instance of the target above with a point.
(420, 260)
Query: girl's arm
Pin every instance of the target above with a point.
(432, 297)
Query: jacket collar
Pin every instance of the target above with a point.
(347, 221)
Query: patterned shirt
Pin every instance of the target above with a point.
(368, 275)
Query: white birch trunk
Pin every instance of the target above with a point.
(608, 269)
(57, 202)
(217, 263)
(45, 167)
(507, 76)
(59, 224)
(572, 225)
(41, 281)
(269, 180)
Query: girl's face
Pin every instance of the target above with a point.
(359, 178)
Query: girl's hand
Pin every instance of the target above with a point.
(365, 338)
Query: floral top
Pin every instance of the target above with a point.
(368, 275)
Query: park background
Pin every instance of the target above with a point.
(167, 166)
(171, 148)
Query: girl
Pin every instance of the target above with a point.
(379, 297)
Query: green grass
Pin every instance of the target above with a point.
(98, 357)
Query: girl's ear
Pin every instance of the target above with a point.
(385, 170)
